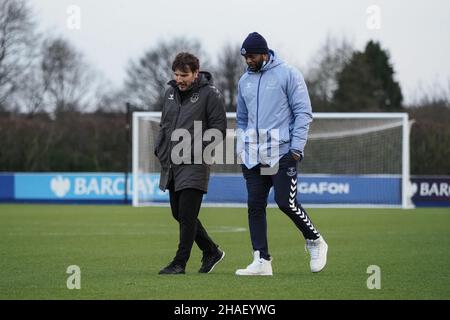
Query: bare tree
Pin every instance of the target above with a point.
(433, 93)
(148, 76)
(112, 101)
(67, 80)
(325, 66)
(17, 42)
(229, 69)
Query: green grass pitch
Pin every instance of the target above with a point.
(120, 250)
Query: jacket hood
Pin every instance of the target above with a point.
(205, 78)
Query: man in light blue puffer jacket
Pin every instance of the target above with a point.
(273, 117)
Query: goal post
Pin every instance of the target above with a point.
(392, 121)
(351, 160)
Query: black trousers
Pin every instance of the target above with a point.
(185, 205)
(284, 183)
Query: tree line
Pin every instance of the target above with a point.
(58, 114)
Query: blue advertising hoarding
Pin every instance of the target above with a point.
(6, 187)
(431, 191)
(83, 187)
(317, 189)
(110, 188)
(312, 189)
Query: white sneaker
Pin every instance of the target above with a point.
(259, 267)
(318, 251)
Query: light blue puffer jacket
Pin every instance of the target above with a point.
(276, 97)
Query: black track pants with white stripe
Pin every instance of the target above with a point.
(284, 183)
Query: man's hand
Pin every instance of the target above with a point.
(297, 155)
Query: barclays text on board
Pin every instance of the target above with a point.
(431, 191)
(96, 187)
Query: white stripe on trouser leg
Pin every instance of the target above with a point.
(298, 211)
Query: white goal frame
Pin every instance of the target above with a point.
(406, 126)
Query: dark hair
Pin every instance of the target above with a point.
(183, 60)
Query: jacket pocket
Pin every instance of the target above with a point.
(159, 141)
(284, 135)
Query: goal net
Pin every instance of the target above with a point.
(351, 159)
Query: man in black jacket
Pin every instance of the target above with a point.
(190, 97)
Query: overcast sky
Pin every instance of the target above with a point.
(416, 32)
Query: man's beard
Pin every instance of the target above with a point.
(257, 67)
(188, 87)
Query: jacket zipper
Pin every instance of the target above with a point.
(173, 128)
(257, 117)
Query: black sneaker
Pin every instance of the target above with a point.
(210, 261)
(173, 269)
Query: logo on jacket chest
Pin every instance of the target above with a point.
(271, 84)
(195, 97)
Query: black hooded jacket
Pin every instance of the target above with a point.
(204, 103)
